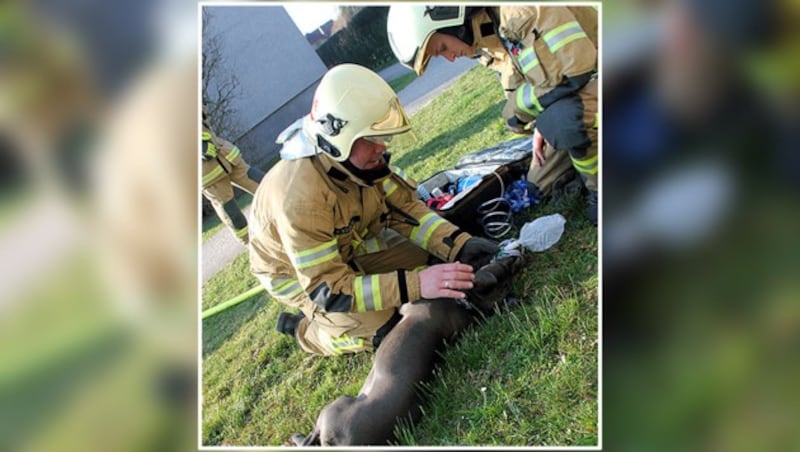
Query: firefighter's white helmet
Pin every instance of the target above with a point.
(410, 27)
(352, 102)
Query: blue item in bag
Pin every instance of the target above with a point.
(466, 182)
(518, 197)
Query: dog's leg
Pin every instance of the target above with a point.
(405, 358)
(312, 439)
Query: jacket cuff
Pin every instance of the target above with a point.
(460, 240)
(411, 280)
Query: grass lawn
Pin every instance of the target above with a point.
(527, 377)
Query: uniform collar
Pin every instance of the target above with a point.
(340, 175)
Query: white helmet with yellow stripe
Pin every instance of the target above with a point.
(352, 102)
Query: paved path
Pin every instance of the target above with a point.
(221, 248)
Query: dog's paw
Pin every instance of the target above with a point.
(297, 439)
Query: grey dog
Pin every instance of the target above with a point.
(405, 358)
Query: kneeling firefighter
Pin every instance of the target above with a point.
(338, 233)
(547, 60)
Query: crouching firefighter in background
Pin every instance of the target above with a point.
(546, 57)
(223, 165)
(339, 234)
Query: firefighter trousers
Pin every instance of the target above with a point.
(314, 333)
(220, 193)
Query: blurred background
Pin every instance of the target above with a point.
(99, 227)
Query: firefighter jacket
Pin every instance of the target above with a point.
(219, 157)
(312, 218)
(542, 53)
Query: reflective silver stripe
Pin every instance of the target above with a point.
(563, 35)
(527, 101)
(316, 255)
(585, 166)
(421, 234)
(281, 287)
(372, 245)
(403, 175)
(345, 343)
(327, 341)
(389, 187)
(527, 60)
(368, 293)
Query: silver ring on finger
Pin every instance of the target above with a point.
(447, 284)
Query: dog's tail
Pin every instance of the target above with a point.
(312, 439)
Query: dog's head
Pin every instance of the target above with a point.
(493, 282)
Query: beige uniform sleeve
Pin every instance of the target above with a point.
(414, 220)
(230, 151)
(553, 53)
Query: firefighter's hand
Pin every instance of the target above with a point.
(446, 280)
(538, 148)
(514, 125)
(477, 252)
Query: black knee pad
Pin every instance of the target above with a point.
(561, 125)
(255, 174)
(235, 214)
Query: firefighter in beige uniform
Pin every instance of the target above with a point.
(223, 165)
(547, 60)
(339, 234)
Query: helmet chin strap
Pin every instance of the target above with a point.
(368, 176)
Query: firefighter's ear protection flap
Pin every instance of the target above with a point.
(326, 146)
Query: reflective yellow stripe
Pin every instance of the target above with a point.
(327, 342)
(527, 60)
(206, 136)
(315, 256)
(233, 154)
(345, 343)
(368, 246)
(389, 187)
(368, 293)
(563, 35)
(211, 150)
(211, 176)
(377, 300)
(527, 101)
(421, 234)
(242, 233)
(280, 287)
(585, 166)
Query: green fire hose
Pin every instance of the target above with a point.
(232, 302)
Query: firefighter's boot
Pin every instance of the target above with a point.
(591, 210)
(287, 323)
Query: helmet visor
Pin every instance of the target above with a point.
(393, 122)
